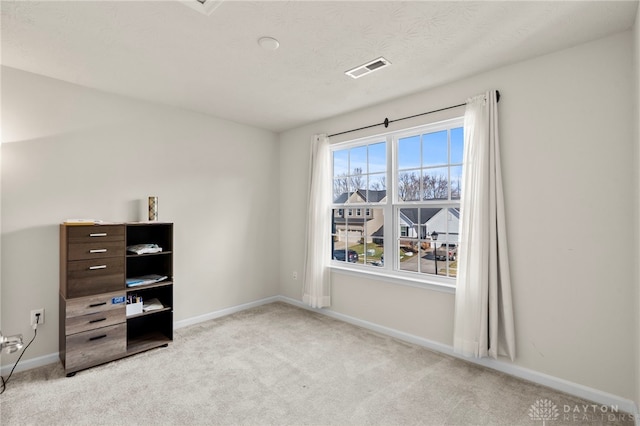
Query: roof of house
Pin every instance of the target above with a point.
(410, 215)
(367, 196)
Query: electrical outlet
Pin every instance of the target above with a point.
(34, 319)
(295, 275)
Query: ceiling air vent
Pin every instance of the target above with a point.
(203, 6)
(368, 68)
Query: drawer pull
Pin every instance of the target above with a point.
(98, 251)
(97, 320)
(98, 234)
(102, 336)
(97, 304)
(93, 268)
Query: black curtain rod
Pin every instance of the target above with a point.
(386, 121)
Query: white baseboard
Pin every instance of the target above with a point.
(30, 363)
(223, 312)
(556, 383)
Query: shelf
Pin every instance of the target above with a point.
(146, 342)
(160, 253)
(152, 285)
(144, 314)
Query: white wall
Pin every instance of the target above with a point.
(73, 152)
(568, 162)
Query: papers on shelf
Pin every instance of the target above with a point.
(144, 248)
(152, 305)
(82, 222)
(145, 279)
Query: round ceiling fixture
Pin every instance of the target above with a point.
(268, 43)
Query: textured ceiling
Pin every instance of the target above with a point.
(164, 52)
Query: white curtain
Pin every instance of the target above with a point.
(317, 278)
(483, 305)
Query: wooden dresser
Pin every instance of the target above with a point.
(94, 326)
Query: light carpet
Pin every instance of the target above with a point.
(280, 365)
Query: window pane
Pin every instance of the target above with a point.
(370, 249)
(456, 182)
(409, 222)
(427, 264)
(378, 158)
(446, 256)
(434, 184)
(409, 186)
(447, 242)
(340, 189)
(358, 181)
(422, 250)
(438, 257)
(434, 149)
(407, 254)
(408, 229)
(358, 160)
(457, 145)
(340, 163)
(358, 238)
(377, 188)
(409, 153)
(344, 234)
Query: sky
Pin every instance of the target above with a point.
(414, 152)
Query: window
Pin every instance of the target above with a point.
(420, 208)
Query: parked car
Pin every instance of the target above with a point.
(447, 251)
(343, 254)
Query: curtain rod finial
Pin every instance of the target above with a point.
(497, 96)
(386, 122)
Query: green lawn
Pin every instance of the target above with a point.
(379, 251)
(360, 249)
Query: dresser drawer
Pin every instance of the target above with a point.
(85, 234)
(95, 320)
(95, 249)
(96, 346)
(88, 277)
(88, 313)
(94, 304)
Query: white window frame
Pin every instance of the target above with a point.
(390, 271)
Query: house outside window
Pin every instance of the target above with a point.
(409, 183)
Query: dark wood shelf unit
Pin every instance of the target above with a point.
(154, 328)
(94, 266)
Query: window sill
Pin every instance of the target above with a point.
(427, 282)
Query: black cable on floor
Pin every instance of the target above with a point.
(5, 381)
